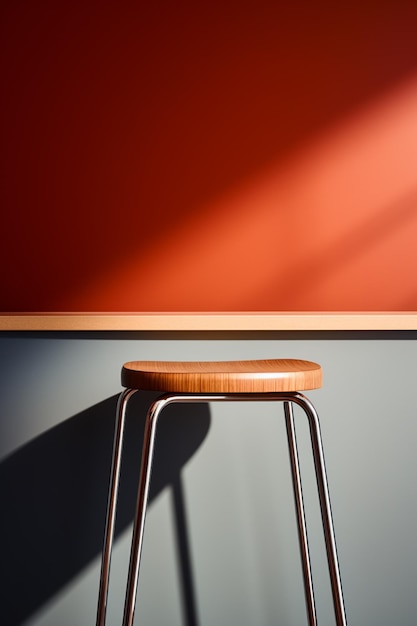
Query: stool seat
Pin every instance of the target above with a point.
(258, 376)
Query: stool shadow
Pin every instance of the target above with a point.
(54, 496)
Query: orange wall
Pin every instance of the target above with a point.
(218, 156)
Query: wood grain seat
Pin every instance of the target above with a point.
(222, 376)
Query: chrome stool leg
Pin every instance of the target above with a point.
(111, 504)
(301, 520)
(326, 513)
(141, 506)
(144, 482)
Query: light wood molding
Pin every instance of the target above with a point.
(245, 321)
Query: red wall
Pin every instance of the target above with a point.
(208, 156)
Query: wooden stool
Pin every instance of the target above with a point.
(183, 382)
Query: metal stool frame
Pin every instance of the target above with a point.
(152, 418)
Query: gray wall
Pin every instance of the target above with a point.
(221, 496)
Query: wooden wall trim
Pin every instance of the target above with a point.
(247, 321)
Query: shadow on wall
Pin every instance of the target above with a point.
(54, 494)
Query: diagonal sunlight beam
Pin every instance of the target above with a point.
(330, 219)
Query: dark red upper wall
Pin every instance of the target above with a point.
(217, 156)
